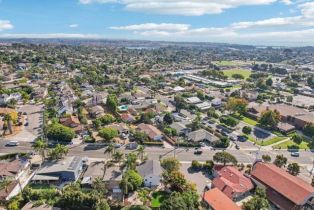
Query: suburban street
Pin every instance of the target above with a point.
(246, 156)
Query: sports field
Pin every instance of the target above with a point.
(246, 73)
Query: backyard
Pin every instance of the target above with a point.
(157, 198)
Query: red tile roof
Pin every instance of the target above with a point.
(231, 181)
(291, 187)
(219, 201)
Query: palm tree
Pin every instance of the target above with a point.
(110, 150)
(141, 152)
(117, 156)
(99, 186)
(126, 185)
(8, 119)
(40, 146)
(58, 152)
(131, 161)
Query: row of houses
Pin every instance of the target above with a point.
(284, 191)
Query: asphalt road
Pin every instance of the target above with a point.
(243, 156)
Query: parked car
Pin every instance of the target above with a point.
(12, 143)
(198, 152)
(242, 138)
(237, 146)
(295, 154)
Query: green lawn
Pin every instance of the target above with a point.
(225, 63)
(268, 142)
(246, 73)
(291, 145)
(158, 198)
(245, 119)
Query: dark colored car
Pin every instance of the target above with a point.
(198, 152)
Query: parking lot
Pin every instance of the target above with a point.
(198, 178)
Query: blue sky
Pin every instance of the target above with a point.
(265, 22)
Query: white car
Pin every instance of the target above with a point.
(12, 143)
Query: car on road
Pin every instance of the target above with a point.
(12, 143)
(26, 124)
(295, 154)
(237, 146)
(198, 152)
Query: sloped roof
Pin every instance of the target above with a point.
(200, 135)
(291, 187)
(219, 201)
(150, 130)
(231, 181)
(150, 167)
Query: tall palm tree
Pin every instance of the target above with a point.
(126, 185)
(110, 150)
(99, 186)
(117, 157)
(40, 146)
(131, 161)
(8, 119)
(141, 152)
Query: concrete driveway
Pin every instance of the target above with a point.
(34, 116)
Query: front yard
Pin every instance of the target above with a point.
(292, 145)
(267, 142)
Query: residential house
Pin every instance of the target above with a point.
(122, 128)
(204, 106)
(214, 199)
(230, 181)
(201, 135)
(72, 122)
(67, 169)
(193, 100)
(128, 118)
(288, 114)
(152, 132)
(13, 170)
(285, 191)
(180, 128)
(96, 111)
(151, 172)
(216, 102)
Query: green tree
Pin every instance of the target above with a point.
(270, 118)
(208, 166)
(196, 165)
(110, 149)
(59, 132)
(135, 179)
(136, 207)
(168, 118)
(141, 152)
(293, 169)
(266, 158)
(247, 130)
(107, 119)
(296, 138)
(269, 82)
(280, 161)
(170, 164)
(188, 200)
(140, 137)
(258, 201)
(224, 158)
(108, 133)
(112, 103)
(237, 76)
(309, 130)
(58, 152)
(238, 105)
(40, 146)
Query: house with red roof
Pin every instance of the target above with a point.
(230, 181)
(151, 131)
(214, 199)
(285, 191)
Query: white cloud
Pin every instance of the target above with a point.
(307, 9)
(153, 26)
(73, 25)
(5, 25)
(287, 2)
(182, 7)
